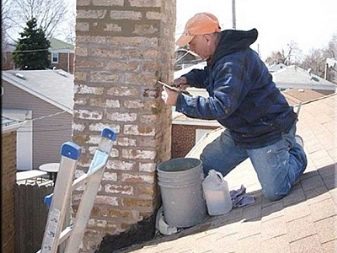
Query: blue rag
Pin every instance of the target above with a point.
(240, 198)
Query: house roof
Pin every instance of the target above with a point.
(298, 78)
(276, 67)
(303, 221)
(57, 45)
(53, 86)
(9, 125)
(296, 96)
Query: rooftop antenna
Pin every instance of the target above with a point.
(233, 15)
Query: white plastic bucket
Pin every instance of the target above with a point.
(180, 182)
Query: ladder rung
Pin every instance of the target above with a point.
(79, 181)
(65, 234)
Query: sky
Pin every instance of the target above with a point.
(309, 23)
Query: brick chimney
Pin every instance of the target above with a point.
(122, 48)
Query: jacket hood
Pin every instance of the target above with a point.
(232, 41)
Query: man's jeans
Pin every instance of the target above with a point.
(278, 166)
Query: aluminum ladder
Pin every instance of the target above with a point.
(59, 201)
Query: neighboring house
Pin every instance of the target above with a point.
(61, 55)
(294, 77)
(7, 57)
(275, 67)
(186, 132)
(8, 175)
(299, 85)
(42, 100)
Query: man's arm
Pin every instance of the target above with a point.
(229, 90)
(194, 78)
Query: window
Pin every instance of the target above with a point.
(54, 57)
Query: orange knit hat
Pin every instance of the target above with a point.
(200, 23)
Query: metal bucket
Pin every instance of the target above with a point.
(180, 182)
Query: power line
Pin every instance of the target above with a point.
(39, 118)
(32, 50)
(44, 130)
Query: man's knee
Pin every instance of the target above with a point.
(273, 196)
(276, 193)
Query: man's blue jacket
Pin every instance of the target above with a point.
(242, 95)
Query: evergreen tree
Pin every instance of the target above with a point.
(31, 51)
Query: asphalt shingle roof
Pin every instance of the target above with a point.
(54, 86)
(303, 221)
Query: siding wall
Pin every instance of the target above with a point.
(122, 48)
(49, 133)
(8, 175)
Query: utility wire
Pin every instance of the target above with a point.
(32, 50)
(39, 118)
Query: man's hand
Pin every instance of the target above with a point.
(181, 83)
(169, 96)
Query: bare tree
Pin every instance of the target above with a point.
(316, 60)
(48, 13)
(5, 23)
(68, 33)
(288, 56)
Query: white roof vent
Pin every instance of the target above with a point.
(20, 76)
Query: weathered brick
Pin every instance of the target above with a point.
(124, 141)
(138, 154)
(82, 2)
(123, 91)
(125, 117)
(133, 104)
(120, 165)
(82, 26)
(108, 2)
(8, 179)
(106, 200)
(133, 203)
(120, 54)
(112, 103)
(139, 130)
(94, 139)
(80, 76)
(126, 66)
(147, 167)
(100, 126)
(131, 178)
(78, 127)
(80, 51)
(106, 53)
(145, 3)
(131, 15)
(90, 39)
(111, 27)
(102, 76)
(118, 189)
(136, 42)
(91, 14)
(84, 89)
(153, 15)
(86, 114)
(145, 29)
